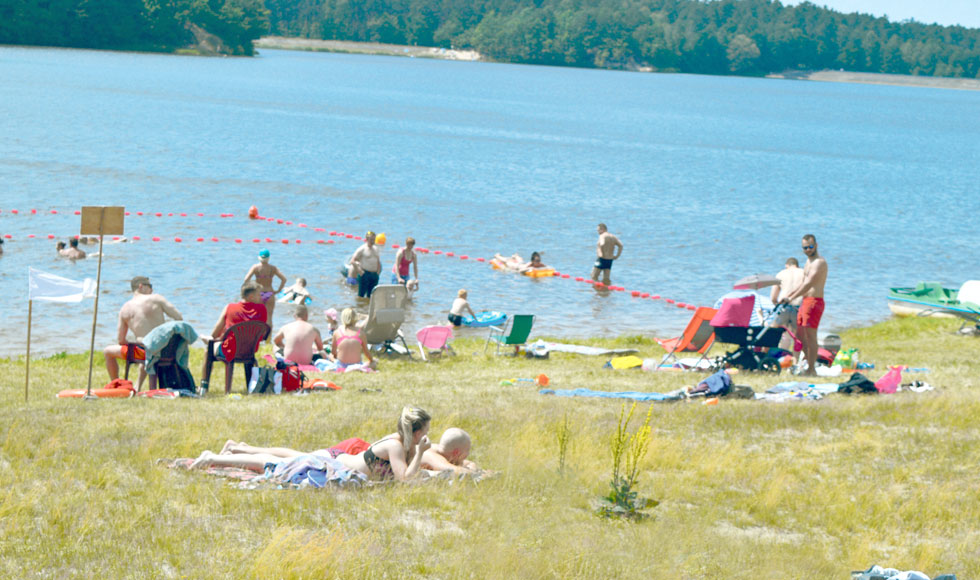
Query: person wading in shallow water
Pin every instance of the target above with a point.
(608, 249)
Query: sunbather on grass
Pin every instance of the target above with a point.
(388, 458)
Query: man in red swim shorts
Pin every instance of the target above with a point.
(811, 310)
(145, 311)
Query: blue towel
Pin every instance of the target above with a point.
(635, 395)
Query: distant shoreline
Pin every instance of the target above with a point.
(377, 48)
(834, 76)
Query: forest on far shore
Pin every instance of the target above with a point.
(740, 37)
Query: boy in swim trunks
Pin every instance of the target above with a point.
(460, 305)
(141, 314)
(607, 249)
(812, 307)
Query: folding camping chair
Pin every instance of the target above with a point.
(698, 336)
(435, 338)
(386, 313)
(520, 329)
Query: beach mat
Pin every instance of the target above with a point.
(634, 395)
(544, 346)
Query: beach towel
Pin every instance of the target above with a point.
(634, 395)
(625, 362)
(544, 346)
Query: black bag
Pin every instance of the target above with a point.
(857, 384)
(175, 377)
(267, 381)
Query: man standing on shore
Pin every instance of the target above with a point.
(141, 314)
(607, 249)
(366, 262)
(811, 309)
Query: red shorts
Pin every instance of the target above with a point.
(140, 354)
(810, 312)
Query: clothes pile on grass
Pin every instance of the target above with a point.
(880, 573)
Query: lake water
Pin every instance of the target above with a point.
(705, 180)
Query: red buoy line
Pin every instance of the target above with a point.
(31, 212)
(254, 215)
(557, 274)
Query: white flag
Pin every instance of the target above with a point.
(45, 286)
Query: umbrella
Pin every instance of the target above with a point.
(756, 281)
(761, 301)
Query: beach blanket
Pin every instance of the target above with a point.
(634, 395)
(544, 346)
(314, 470)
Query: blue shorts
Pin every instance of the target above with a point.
(456, 319)
(603, 263)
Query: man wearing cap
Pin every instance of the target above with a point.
(141, 314)
(366, 262)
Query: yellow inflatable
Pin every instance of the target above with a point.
(540, 273)
(380, 239)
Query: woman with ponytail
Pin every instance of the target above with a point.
(398, 455)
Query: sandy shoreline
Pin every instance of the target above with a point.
(833, 76)
(343, 46)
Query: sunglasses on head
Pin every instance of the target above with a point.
(810, 247)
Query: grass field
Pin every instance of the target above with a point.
(747, 489)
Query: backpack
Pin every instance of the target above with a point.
(265, 385)
(175, 377)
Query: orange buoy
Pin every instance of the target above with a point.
(380, 239)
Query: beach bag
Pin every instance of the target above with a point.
(175, 377)
(292, 378)
(265, 381)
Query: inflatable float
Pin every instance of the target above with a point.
(540, 273)
(100, 393)
(485, 318)
(307, 301)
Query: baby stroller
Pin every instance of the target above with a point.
(731, 326)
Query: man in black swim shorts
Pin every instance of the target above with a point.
(608, 248)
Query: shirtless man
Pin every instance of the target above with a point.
(811, 309)
(297, 339)
(141, 314)
(605, 254)
(263, 272)
(366, 264)
(72, 252)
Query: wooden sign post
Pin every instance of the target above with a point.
(99, 221)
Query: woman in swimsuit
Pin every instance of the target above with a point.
(348, 345)
(405, 259)
(396, 456)
(263, 273)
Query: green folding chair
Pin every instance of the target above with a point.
(520, 327)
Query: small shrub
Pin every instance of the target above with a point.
(627, 451)
(564, 434)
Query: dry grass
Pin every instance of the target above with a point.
(747, 489)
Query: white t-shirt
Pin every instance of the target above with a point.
(790, 279)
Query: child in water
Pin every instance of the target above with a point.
(460, 305)
(297, 293)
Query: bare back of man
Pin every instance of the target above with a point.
(138, 316)
(297, 340)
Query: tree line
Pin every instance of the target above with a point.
(745, 37)
(228, 26)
